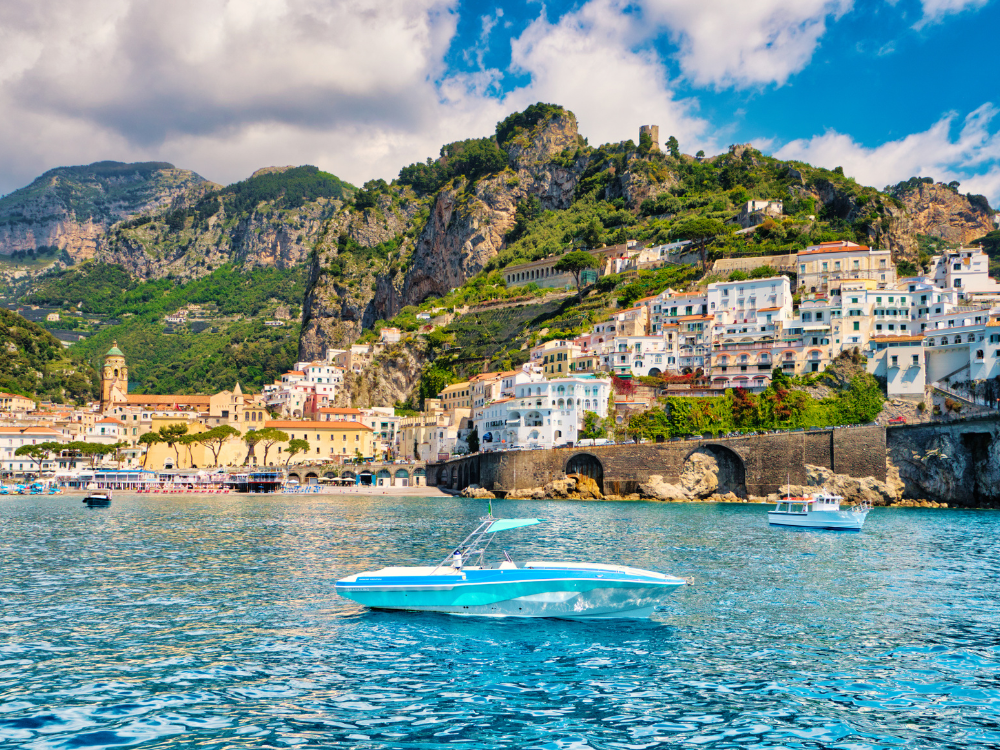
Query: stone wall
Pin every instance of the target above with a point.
(762, 463)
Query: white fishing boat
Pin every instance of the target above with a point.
(464, 584)
(820, 510)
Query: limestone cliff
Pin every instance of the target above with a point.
(72, 207)
(462, 228)
(947, 465)
(393, 377)
(937, 210)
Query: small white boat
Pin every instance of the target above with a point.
(533, 589)
(820, 510)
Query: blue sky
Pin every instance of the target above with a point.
(885, 89)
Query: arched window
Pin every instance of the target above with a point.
(979, 353)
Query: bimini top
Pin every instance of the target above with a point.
(510, 523)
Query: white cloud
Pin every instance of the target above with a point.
(936, 10)
(727, 43)
(587, 62)
(932, 153)
(357, 87)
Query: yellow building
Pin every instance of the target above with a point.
(13, 402)
(457, 396)
(338, 440)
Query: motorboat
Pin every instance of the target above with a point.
(821, 510)
(98, 499)
(464, 584)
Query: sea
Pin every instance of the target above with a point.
(212, 623)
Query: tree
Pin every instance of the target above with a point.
(700, 154)
(269, 437)
(673, 147)
(592, 234)
(645, 143)
(216, 438)
(149, 440)
(594, 428)
(699, 231)
(117, 449)
(473, 440)
(576, 262)
(296, 446)
(171, 434)
(251, 439)
(188, 441)
(38, 453)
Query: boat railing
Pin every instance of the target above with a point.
(862, 507)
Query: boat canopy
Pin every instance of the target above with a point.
(510, 523)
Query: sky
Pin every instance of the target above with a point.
(887, 89)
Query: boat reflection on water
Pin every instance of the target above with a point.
(464, 584)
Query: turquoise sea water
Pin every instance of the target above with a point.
(211, 623)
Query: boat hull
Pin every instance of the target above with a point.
(594, 593)
(840, 520)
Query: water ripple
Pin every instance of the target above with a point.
(211, 623)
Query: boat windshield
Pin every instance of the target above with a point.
(506, 524)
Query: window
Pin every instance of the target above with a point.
(895, 361)
(916, 359)
(857, 325)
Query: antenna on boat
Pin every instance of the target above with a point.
(491, 508)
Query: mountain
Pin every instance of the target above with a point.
(71, 208)
(536, 187)
(272, 218)
(33, 362)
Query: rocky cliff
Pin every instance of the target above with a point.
(393, 377)
(72, 207)
(939, 211)
(438, 246)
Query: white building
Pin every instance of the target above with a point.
(542, 413)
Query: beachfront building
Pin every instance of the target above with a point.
(339, 441)
(14, 437)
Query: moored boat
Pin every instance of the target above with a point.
(820, 510)
(464, 584)
(98, 499)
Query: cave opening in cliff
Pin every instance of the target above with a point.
(587, 465)
(732, 472)
(978, 445)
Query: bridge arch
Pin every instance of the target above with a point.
(732, 468)
(587, 464)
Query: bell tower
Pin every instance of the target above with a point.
(114, 378)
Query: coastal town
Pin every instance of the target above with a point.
(920, 335)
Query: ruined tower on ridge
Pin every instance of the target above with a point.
(654, 132)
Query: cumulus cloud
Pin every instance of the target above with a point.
(723, 43)
(589, 62)
(931, 153)
(936, 10)
(357, 87)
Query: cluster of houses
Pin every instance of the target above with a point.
(916, 332)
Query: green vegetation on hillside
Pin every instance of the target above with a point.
(109, 290)
(245, 351)
(780, 406)
(34, 363)
(226, 349)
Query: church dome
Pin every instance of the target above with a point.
(114, 351)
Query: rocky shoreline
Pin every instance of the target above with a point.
(700, 484)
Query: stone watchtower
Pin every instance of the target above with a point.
(654, 133)
(114, 378)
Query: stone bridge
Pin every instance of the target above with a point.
(754, 465)
(378, 474)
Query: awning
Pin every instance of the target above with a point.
(511, 523)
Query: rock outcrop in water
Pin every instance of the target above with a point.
(573, 487)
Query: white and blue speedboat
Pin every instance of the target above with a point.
(463, 584)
